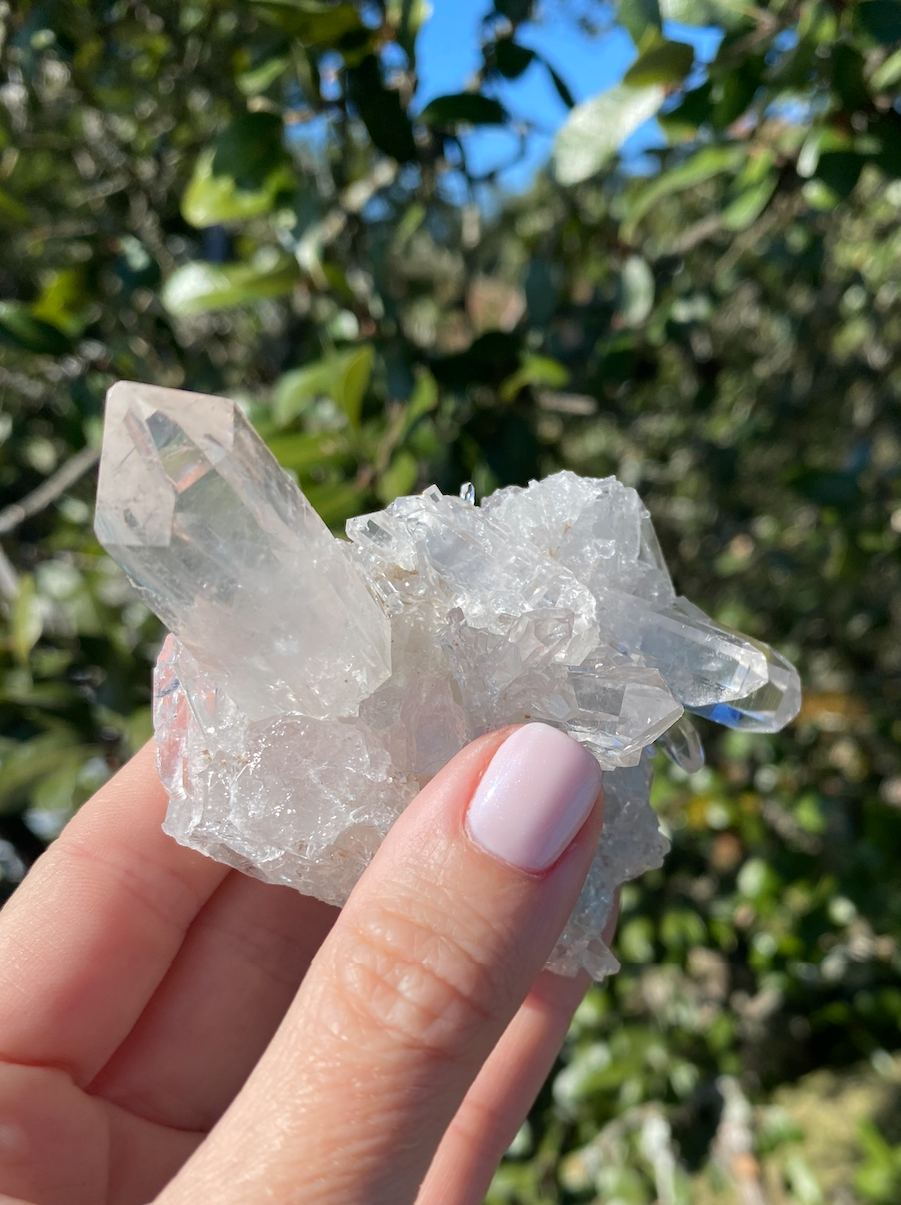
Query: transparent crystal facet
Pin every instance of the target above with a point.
(312, 686)
(224, 547)
(768, 707)
(682, 745)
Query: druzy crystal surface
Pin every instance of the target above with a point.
(312, 685)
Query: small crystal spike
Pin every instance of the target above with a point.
(224, 547)
(468, 493)
(682, 745)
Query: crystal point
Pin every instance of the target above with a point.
(223, 546)
(769, 706)
(312, 686)
(682, 745)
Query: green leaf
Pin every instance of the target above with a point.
(638, 17)
(535, 370)
(399, 478)
(63, 301)
(199, 288)
(560, 84)
(802, 1182)
(597, 128)
(303, 453)
(20, 328)
(694, 111)
(727, 14)
(316, 24)
(209, 200)
(635, 940)
(748, 207)
(381, 110)
(25, 621)
(874, 1145)
(139, 728)
(881, 19)
(848, 77)
(250, 150)
(336, 501)
(511, 58)
(342, 376)
(469, 107)
(297, 388)
(818, 196)
(636, 291)
(703, 165)
(734, 88)
(682, 928)
(423, 400)
(820, 139)
(12, 210)
(24, 764)
(56, 790)
(888, 136)
(351, 380)
(258, 79)
(665, 63)
(887, 74)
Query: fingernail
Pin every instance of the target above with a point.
(536, 794)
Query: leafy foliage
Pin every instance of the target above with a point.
(254, 198)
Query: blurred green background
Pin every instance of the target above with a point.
(700, 292)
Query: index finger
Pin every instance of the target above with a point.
(92, 930)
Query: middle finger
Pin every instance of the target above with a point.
(219, 1004)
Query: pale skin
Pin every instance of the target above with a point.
(173, 1031)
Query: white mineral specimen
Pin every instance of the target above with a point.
(312, 686)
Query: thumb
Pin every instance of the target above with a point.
(427, 964)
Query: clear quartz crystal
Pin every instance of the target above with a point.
(224, 547)
(312, 686)
(682, 745)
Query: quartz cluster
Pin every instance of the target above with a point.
(311, 685)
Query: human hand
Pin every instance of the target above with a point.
(174, 1030)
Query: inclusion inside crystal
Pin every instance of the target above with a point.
(312, 685)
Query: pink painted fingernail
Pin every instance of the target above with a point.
(536, 794)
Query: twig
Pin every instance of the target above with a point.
(694, 235)
(49, 490)
(733, 1144)
(740, 245)
(353, 198)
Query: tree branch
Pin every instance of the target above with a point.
(64, 477)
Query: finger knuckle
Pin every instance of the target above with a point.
(418, 979)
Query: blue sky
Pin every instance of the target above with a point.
(448, 55)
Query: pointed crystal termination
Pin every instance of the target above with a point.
(682, 745)
(223, 546)
(768, 708)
